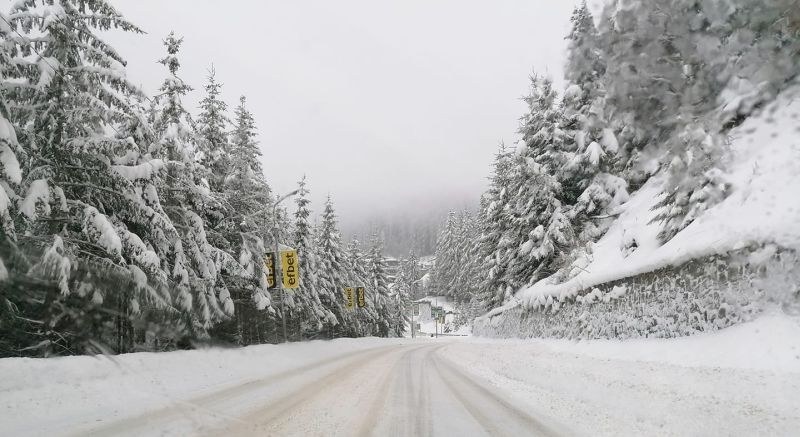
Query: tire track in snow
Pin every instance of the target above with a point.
(497, 415)
(391, 382)
(408, 412)
(277, 413)
(187, 409)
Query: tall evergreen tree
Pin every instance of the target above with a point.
(496, 220)
(358, 277)
(311, 314)
(195, 265)
(212, 124)
(387, 310)
(332, 272)
(88, 236)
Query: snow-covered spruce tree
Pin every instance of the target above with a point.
(333, 276)
(466, 283)
(386, 308)
(446, 267)
(358, 277)
(591, 188)
(246, 229)
(541, 233)
(309, 314)
(356, 268)
(496, 219)
(212, 125)
(90, 242)
(197, 267)
(409, 276)
(13, 323)
(585, 65)
(694, 181)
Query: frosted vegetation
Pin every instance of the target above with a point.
(672, 141)
(130, 222)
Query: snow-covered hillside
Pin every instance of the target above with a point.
(761, 213)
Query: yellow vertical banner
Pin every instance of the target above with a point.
(350, 299)
(269, 267)
(361, 297)
(291, 269)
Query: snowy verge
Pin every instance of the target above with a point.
(742, 380)
(763, 209)
(769, 343)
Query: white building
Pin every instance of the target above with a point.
(423, 310)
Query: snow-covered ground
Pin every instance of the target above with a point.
(743, 380)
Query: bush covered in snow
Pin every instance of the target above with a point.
(702, 295)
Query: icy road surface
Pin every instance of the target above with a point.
(744, 380)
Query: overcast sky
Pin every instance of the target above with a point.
(386, 105)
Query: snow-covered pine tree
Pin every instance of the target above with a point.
(496, 219)
(445, 268)
(541, 232)
(387, 309)
(212, 124)
(194, 265)
(91, 242)
(409, 276)
(466, 281)
(333, 276)
(246, 227)
(12, 322)
(694, 181)
(358, 277)
(590, 186)
(584, 62)
(310, 315)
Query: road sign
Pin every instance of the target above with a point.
(269, 267)
(349, 296)
(361, 297)
(291, 269)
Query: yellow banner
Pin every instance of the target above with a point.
(291, 269)
(269, 267)
(361, 297)
(350, 297)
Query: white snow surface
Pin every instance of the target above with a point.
(38, 192)
(142, 171)
(763, 208)
(3, 271)
(8, 159)
(743, 380)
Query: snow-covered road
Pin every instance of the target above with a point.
(741, 381)
(402, 389)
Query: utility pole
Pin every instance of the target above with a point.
(278, 281)
(436, 319)
(413, 325)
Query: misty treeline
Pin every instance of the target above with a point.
(652, 89)
(129, 224)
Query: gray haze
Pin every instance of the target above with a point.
(387, 106)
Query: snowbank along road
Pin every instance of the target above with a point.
(400, 390)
